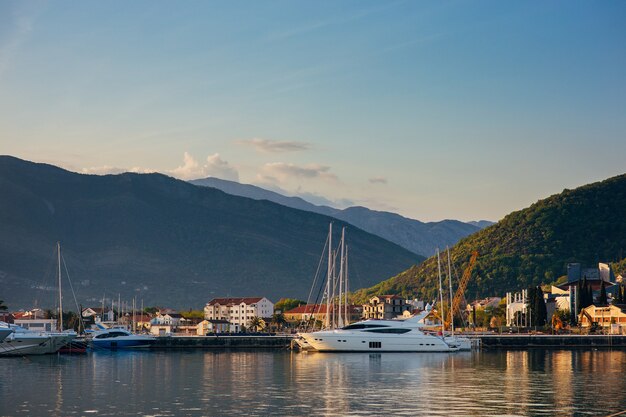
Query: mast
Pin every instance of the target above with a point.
(329, 273)
(441, 315)
(345, 275)
(450, 281)
(341, 272)
(60, 293)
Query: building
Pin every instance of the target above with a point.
(98, 315)
(489, 302)
(385, 307)
(594, 277)
(611, 318)
(317, 312)
(216, 326)
(38, 325)
(168, 319)
(238, 310)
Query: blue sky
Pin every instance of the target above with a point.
(436, 110)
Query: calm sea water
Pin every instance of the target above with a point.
(197, 383)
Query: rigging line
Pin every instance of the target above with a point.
(319, 265)
(313, 311)
(46, 278)
(67, 273)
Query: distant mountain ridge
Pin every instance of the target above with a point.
(163, 240)
(414, 235)
(531, 246)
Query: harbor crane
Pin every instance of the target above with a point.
(458, 296)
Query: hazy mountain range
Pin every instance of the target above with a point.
(414, 235)
(162, 240)
(533, 245)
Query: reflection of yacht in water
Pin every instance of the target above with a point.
(380, 336)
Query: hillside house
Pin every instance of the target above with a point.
(385, 307)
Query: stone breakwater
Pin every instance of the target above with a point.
(223, 342)
(521, 341)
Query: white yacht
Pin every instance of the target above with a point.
(379, 336)
(4, 333)
(27, 342)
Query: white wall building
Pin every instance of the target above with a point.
(238, 311)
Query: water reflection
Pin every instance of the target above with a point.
(195, 383)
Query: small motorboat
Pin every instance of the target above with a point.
(117, 338)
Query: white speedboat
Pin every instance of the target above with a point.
(379, 336)
(27, 342)
(117, 338)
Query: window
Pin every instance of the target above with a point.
(394, 331)
(375, 345)
(363, 326)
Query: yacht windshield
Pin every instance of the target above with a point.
(360, 326)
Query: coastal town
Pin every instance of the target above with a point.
(588, 301)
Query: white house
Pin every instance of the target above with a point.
(39, 325)
(96, 313)
(238, 311)
(168, 319)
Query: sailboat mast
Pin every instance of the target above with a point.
(341, 272)
(440, 292)
(329, 273)
(345, 275)
(60, 293)
(450, 281)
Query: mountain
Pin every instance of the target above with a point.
(418, 237)
(531, 246)
(481, 223)
(162, 240)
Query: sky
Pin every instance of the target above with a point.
(431, 109)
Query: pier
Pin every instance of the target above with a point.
(521, 341)
(223, 342)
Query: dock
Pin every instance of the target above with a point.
(523, 341)
(223, 342)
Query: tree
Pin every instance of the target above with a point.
(603, 300)
(278, 320)
(286, 304)
(2, 306)
(256, 323)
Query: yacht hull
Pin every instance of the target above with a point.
(345, 341)
(37, 344)
(4, 333)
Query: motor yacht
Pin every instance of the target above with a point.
(27, 342)
(117, 338)
(379, 336)
(4, 333)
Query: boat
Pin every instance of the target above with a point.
(27, 342)
(379, 336)
(31, 342)
(117, 338)
(4, 333)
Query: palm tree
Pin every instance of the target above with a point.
(2, 306)
(278, 320)
(256, 323)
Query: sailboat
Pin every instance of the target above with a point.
(28, 342)
(463, 343)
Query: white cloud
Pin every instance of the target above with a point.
(275, 146)
(378, 180)
(107, 169)
(215, 166)
(282, 171)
